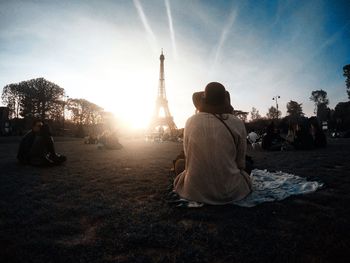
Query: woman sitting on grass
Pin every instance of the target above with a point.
(37, 147)
(213, 171)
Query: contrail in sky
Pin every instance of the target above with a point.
(151, 37)
(171, 28)
(331, 40)
(224, 34)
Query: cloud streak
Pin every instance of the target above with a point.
(171, 28)
(224, 35)
(150, 35)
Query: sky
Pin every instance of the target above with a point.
(108, 51)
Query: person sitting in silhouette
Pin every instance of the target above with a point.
(303, 138)
(37, 147)
(213, 171)
(320, 140)
(272, 140)
(109, 140)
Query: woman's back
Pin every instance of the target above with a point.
(214, 160)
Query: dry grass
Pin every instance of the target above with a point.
(108, 206)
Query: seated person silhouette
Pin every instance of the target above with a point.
(303, 137)
(272, 140)
(37, 147)
(213, 171)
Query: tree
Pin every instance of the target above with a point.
(45, 96)
(346, 70)
(273, 113)
(295, 110)
(342, 115)
(34, 97)
(323, 112)
(319, 97)
(85, 112)
(11, 97)
(254, 114)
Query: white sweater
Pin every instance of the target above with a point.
(215, 162)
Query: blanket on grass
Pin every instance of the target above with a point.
(269, 187)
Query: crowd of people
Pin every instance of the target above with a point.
(305, 134)
(213, 167)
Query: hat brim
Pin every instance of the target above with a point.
(199, 102)
(198, 99)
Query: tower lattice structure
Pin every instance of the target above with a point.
(162, 103)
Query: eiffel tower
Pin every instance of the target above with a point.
(158, 121)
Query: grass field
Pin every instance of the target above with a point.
(109, 206)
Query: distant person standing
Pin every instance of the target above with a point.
(37, 147)
(214, 150)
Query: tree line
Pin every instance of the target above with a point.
(40, 98)
(337, 118)
(295, 109)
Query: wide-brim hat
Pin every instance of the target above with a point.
(214, 99)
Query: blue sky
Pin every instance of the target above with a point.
(108, 51)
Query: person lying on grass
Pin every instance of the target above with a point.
(213, 168)
(37, 147)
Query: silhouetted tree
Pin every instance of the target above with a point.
(319, 97)
(295, 110)
(11, 97)
(323, 112)
(254, 114)
(56, 113)
(273, 113)
(85, 112)
(109, 121)
(41, 97)
(34, 97)
(346, 70)
(342, 115)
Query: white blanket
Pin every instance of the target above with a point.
(276, 186)
(273, 186)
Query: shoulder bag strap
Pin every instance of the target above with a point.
(245, 179)
(233, 137)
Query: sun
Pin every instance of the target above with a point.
(132, 103)
(128, 90)
(134, 115)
